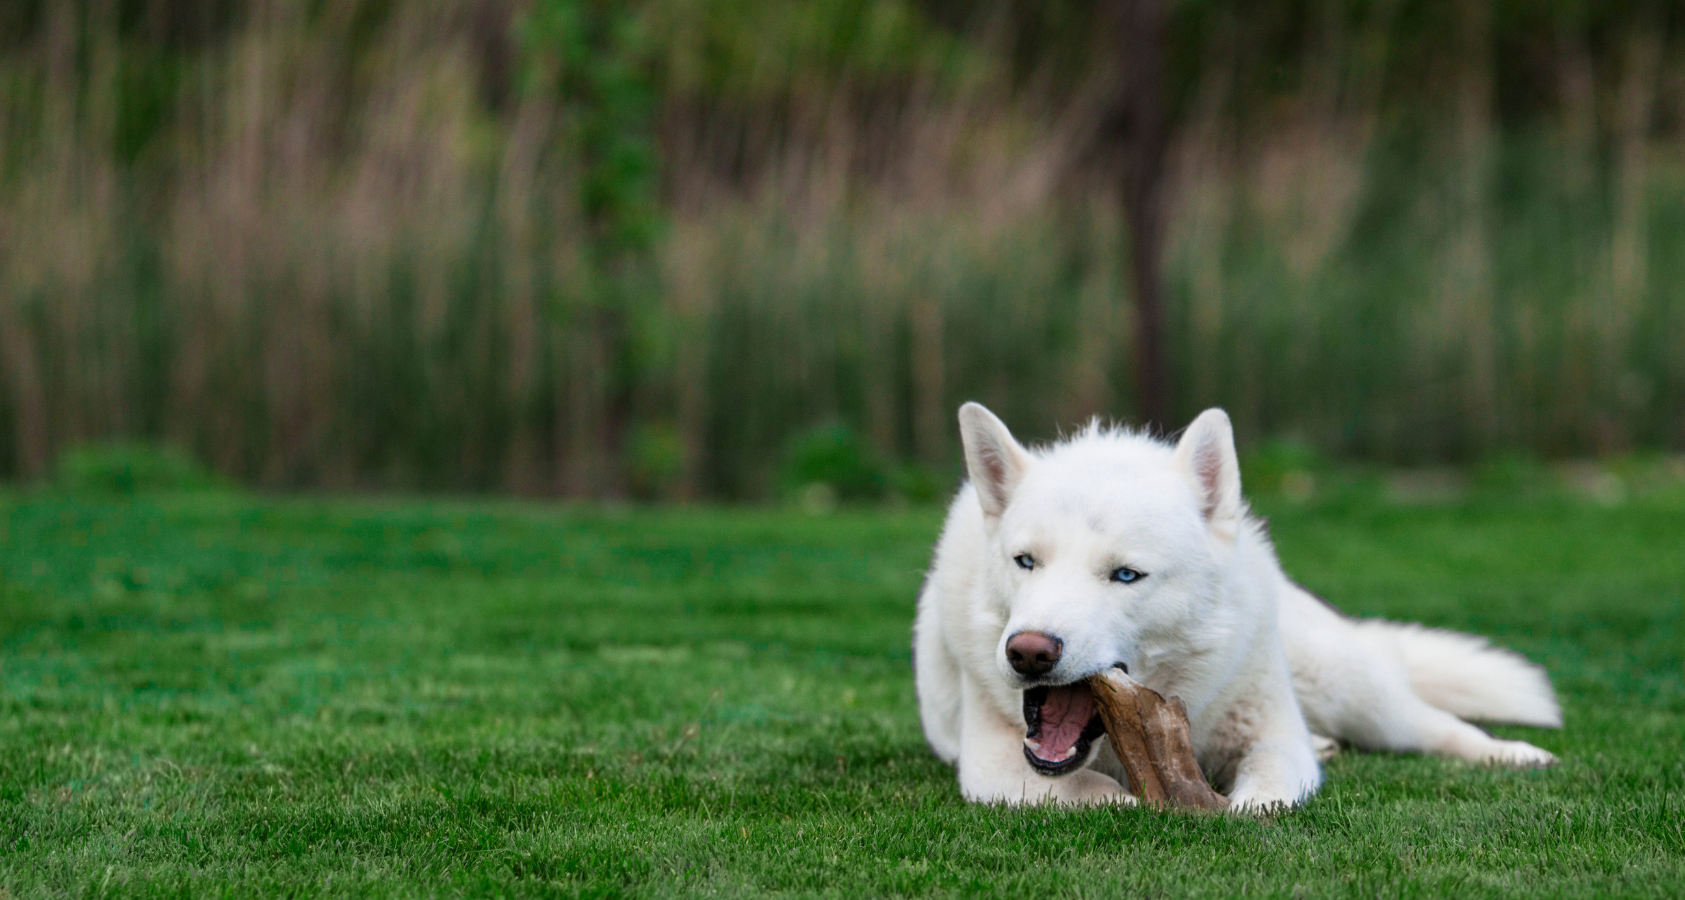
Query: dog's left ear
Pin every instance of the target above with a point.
(1206, 452)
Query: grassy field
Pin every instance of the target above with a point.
(218, 694)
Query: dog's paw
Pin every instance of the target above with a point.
(1519, 755)
(1324, 747)
(1247, 802)
(1086, 787)
(1270, 792)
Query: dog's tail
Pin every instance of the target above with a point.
(1466, 676)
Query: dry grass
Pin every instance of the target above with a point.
(351, 252)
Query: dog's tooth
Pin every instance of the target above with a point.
(1032, 743)
(1069, 752)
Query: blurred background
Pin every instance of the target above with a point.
(698, 249)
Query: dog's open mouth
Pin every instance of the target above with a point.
(1061, 724)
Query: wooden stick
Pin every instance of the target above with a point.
(1150, 737)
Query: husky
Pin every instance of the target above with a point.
(1116, 549)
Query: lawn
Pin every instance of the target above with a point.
(222, 694)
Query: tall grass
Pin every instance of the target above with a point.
(349, 244)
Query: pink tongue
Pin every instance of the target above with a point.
(1064, 715)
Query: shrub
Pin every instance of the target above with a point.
(130, 468)
(834, 456)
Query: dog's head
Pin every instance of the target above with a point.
(1099, 549)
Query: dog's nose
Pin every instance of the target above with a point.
(1032, 653)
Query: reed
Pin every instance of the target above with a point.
(356, 245)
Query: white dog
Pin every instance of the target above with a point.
(1112, 548)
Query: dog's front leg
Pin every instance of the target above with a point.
(1277, 767)
(992, 767)
(1274, 776)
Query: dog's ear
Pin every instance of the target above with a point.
(993, 459)
(1206, 452)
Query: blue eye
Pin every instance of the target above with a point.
(1024, 561)
(1126, 575)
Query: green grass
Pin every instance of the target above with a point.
(224, 695)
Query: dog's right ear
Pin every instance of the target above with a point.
(993, 459)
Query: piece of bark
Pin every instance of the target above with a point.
(1150, 737)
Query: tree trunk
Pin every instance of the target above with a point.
(1136, 128)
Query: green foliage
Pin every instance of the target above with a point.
(1284, 467)
(593, 57)
(835, 457)
(654, 460)
(216, 695)
(129, 469)
(916, 483)
(761, 50)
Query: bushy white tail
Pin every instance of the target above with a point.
(1468, 677)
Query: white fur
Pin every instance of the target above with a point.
(1260, 663)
